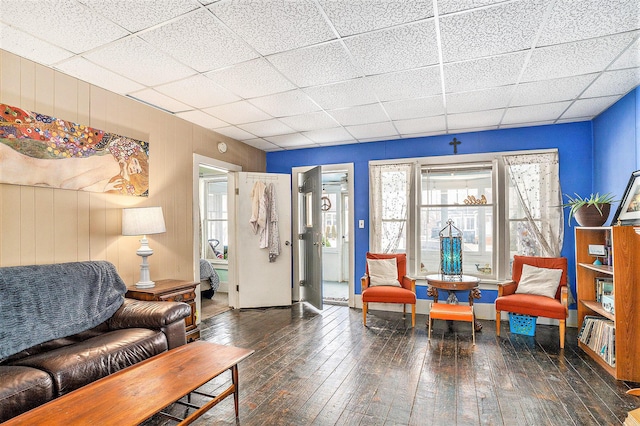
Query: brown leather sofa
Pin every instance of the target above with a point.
(136, 331)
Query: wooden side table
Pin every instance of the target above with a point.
(172, 291)
(464, 283)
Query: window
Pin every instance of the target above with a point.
(504, 204)
(215, 223)
(465, 195)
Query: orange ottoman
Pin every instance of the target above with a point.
(445, 311)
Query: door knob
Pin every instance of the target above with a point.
(287, 243)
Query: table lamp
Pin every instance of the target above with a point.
(143, 221)
(451, 251)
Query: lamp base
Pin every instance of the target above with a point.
(145, 284)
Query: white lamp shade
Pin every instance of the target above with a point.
(143, 221)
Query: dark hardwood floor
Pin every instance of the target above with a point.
(325, 368)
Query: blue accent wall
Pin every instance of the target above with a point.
(616, 146)
(573, 141)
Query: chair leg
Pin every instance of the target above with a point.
(404, 311)
(562, 327)
(473, 329)
(497, 323)
(364, 313)
(430, 322)
(413, 315)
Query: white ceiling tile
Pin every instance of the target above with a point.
(98, 76)
(291, 140)
(417, 83)
(450, 6)
(283, 104)
(573, 120)
(315, 65)
(200, 41)
(147, 13)
(473, 129)
(328, 135)
(67, 24)
(373, 130)
(549, 91)
(359, 16)
(395, 49)
(501, 29)
(267, 128)
(201, 119)
(483, 73)
(421, 134)
(271, 26)
(235, 133)
(589, 107)
(139, 61)
(531, 124)
(470, 120)
(262, 144)
(535, 112)
(581, 57)
(197, 91)
(24, 44)
(494, 98)
(157, 99)
(630, 58)
(334, 143)
(362, 114)
(614, 82)
(572, 20)
(414, 108)
(421, 125)
(238, 113)
(344, 94)
(251, 79)
(311, 121)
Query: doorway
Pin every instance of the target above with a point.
(213, 234)
(335, 237)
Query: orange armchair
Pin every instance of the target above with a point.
(406, 294)
(529, 304)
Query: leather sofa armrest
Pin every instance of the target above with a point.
(506, 288)
(147, 314)
(364, 282)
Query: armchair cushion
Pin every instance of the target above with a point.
(531, 304)
(383, 272)
(388, 294)
(539, 281)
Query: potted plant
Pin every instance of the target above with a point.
(591, 211)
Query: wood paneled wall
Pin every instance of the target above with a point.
(43, 225)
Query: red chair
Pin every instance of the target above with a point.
(529, 304)
(388, 294)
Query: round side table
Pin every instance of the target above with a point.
(468, 283)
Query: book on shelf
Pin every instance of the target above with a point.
(604, 287)
(599, 334)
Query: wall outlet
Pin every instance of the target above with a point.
(361, 224)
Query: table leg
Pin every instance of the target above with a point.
(234, 380)
(433, 292)
(475, 294)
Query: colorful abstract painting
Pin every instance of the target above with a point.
(39, 150)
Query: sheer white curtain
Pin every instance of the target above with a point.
(389, 190)
(535, 178)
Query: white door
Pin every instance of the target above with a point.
(261, 282)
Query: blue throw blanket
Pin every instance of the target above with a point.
(43, 302)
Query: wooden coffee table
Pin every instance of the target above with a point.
(134, 394)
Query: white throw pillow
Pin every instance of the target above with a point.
(383, 272)
(540, 281)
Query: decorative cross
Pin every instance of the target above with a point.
(455, 144)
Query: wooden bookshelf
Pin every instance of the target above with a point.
(625, 271)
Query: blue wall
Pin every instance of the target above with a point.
(616, 146)
(573, 141)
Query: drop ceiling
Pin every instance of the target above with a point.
(292, 74)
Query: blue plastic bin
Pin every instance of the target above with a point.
(522, 324)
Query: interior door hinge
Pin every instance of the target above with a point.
(237, 287)
(237, 191)
(302, 283)
(300, 189)
(301, 236)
